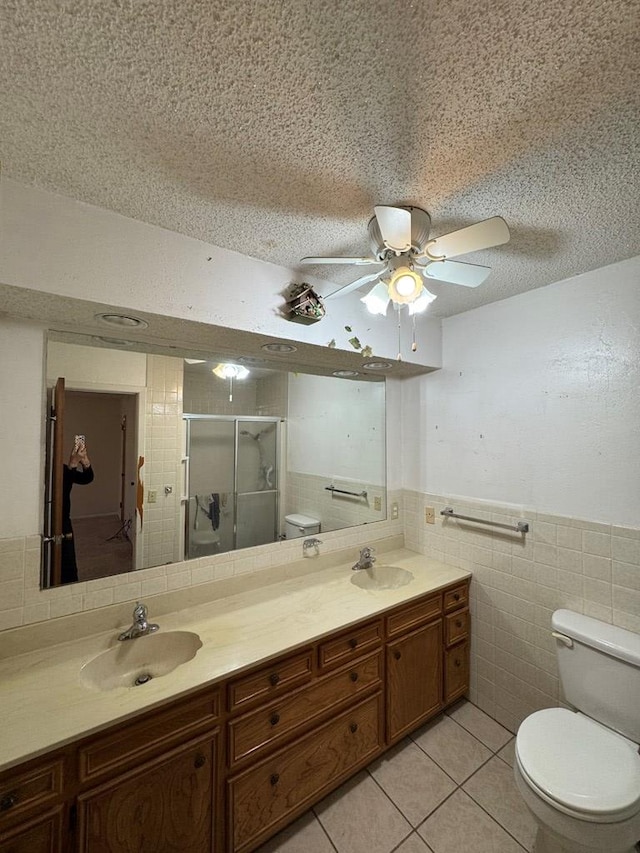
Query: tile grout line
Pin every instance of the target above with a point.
(322, 827)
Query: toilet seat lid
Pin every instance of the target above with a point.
(579, 764)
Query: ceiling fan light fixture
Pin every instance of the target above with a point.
(405, 285)
(422, 302)
(377, 299)
(230, 371)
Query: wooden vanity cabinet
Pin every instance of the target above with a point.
(229, 766)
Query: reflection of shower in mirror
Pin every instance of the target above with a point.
(266, 470)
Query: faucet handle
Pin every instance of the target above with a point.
(140, 612)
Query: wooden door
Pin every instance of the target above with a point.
(164, 806)
(414, 679)
(53, 515)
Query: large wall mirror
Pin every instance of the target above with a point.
(156, 458)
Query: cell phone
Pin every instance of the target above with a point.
(78, 442)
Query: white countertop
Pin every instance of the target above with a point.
(45, 705)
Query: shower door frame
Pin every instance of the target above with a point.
(236, 420)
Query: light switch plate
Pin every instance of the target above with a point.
(377, 503)
(429, 515)
(152, 496)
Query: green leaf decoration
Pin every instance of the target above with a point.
(367, 352)
(332, 343)
(355, 343)
(348, 329)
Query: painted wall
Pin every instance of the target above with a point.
(90, 253)
(538, 402)
(535, 415)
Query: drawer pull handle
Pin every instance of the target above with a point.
(274, 678)
(274, 719)
(200, 761)
(8, 802)
(353, 676)
(457, 662)
(353, 642)
(458, 623)
(456, 596)
(397, 655)
(353, 728)
(274, 778)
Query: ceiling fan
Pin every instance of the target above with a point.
(404, 256)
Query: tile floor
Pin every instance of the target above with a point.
(448, 788)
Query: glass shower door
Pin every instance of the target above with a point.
(210, 521)
(256, 481)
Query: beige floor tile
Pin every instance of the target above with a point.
(494, 788)
(305, 834)
(460, 825)
(456, 751)
(413, 844)
(508, 752)
(480, 725)
(412, 780)
(360, 818)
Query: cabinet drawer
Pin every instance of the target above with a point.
(363, 638)
(456, 597)
(414, 615)
(42, 834)
(157, 732)
(456, 671)
(267, 796)
(456, 627)
(264, 728)
(31, 790)
(270, 680)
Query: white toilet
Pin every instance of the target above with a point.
(297, 525)
(579, 771)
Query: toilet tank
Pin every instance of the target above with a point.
(600, 670)
(297, 525)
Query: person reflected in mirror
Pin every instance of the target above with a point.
(77, 471)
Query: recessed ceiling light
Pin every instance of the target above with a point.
(279, 348)
(122, 321)
(378, 365)
(249, 359)
(345, 373)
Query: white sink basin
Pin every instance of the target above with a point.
(135, 662)
(381, 577)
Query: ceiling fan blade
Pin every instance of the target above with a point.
(395, 227)
(455, 272)
(356, 261)
(354, 285)
(481, 235)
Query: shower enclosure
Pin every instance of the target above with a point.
(232, 495)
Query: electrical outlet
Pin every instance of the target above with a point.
(429, 515)
(152, 496)
(377, 503)
(394, 510)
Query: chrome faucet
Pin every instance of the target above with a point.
(140, 625)
(365, 560)
(310, 543)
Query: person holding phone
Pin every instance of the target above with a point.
(79, 472)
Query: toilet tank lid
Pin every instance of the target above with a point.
(614, 641)
(301, 520)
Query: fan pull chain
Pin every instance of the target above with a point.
(414, 345)
(399, 357)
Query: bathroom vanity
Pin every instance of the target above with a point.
(227, 764)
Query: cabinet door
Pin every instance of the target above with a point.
(165, 806)
(414, 679)
(41, 835)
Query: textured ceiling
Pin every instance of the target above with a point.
(274, 128)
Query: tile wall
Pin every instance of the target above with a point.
(307, 494)
(163, 449)
(22, 602)
(518, 581)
